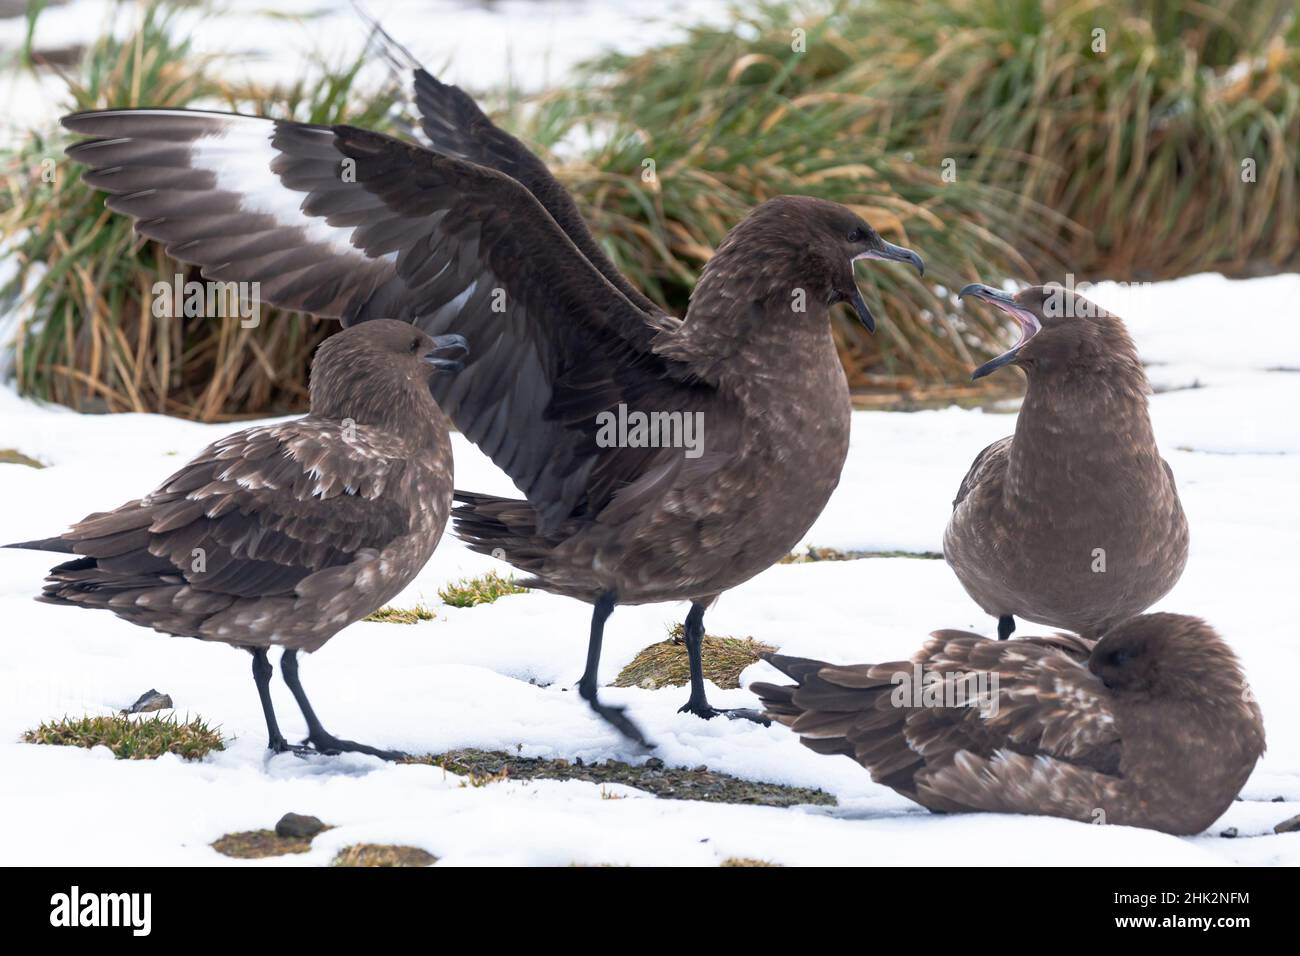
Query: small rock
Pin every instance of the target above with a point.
(700, 769)
(1288, 826)
(1229, 834)
(150, 701)
(577, 762)
(654, 763)
(1279, 800)
(298, 825)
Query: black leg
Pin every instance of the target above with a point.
(698, 704)
(320, 738)
(693, 633)
(262, 672)
(1006, 624)
(587, 686)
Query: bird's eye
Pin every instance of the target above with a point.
(1119, 658)
(857, 235)
(415, 346)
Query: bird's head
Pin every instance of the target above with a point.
(818, 241)
(369, 371)
(1166, 656)
(1058, 329)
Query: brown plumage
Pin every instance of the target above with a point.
(1152, 726)
(476, 237)
(1074, 521)
(283, 535)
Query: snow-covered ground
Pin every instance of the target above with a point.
(474, 677)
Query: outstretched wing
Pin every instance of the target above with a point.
(910, 721)
(453, 125)
(351, 224)
(263, 513)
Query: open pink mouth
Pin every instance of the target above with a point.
(1029, 324)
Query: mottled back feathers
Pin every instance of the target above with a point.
(280, 534)
(1042, 725)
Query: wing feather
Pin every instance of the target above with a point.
(992, 458)
(350, 224)
(452, 123)
(1007, 704)
(252, 516)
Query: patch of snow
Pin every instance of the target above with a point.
(501, 676)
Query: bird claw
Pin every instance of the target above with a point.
(331, 747)
(615, 717)
(706, 711)
(747, 713)
(282, 746)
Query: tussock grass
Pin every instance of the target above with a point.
(666, 664)
(733, 116)
(484, 589)
(745, 861)
(131, 738)
(1139, 146)
(379, 854)
(91, 340)
(1125, 163)
(401, 615)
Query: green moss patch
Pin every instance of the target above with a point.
(400, 615)
(12, 456)
(674, 783)
(380, 854)
(745, 861)
(666, 664)
(293, 833)
(131, 738)
(484, 589)
(256, 844)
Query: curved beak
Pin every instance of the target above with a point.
(448, 352)
(892, 253)
(1029, 324)
(864, 314)
(1003, 300)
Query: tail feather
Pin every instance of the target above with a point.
(796, 668)
(843, 710)
(505, 528)
(59, 544)
(778, 699)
